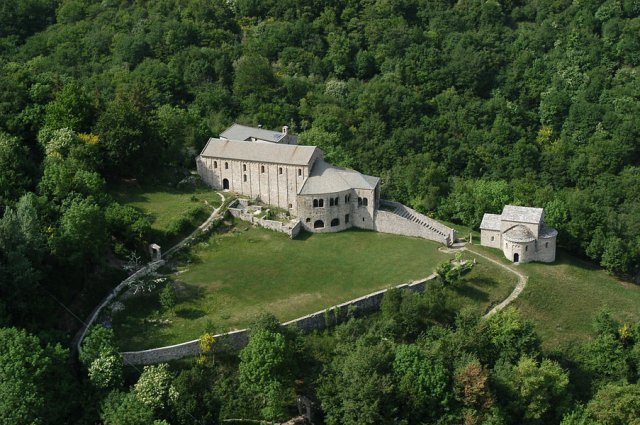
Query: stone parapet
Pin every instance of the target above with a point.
(236, 340)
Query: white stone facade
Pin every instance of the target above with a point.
(520, 233)
(325, 198)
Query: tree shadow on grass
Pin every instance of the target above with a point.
(190, 313)
(471, 288)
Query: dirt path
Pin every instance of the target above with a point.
(522, 279)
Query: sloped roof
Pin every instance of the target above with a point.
(547, 232)
(519, 233)
(327, 178)
(259, 151)
(243, 132)
(522, 214)
(491, 222)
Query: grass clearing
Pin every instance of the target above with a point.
(562, 298)
(173, 212)
(234, 276)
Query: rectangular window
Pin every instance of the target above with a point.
(280, 170)
(300, 171)
(346, 218)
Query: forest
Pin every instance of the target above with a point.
(460, 107)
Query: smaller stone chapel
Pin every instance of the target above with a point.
(521, 234)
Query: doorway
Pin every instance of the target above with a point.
(225, 184)
(516, 257)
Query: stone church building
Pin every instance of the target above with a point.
(269, 166)
(521, 234)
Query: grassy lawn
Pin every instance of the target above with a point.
(562, 298)
(167, 207)
(236, 275)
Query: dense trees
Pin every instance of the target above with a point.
(460, 107)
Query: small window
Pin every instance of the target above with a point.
(330, 202)
(280, 170)
(299, 171)
(215, 164)
(290, 206)
(526, 247)
(315, 203)
(321, 203)
(226, 165)
(335, 222)
(262, 169)
(365, 201)
(244, 167)
(346, 199)
(492, 238)
(346, 218)
(546, 244)
(359, 201)
(336, 201)
(308, 220)
(362, 218)
(245, 177)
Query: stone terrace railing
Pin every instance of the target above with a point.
(403, 220)
(234, 341)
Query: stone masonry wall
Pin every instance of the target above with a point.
(236, 340)
(292, 229)
(388, 222)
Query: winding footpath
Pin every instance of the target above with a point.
(522, 280)
(153, 265)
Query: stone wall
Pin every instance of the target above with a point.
(274, 184)
(486, 235)
(292, 228)
(388, 222)
(236, 340)
(77, 340)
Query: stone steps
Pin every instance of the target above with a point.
(411, 217)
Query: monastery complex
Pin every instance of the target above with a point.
(271, 167)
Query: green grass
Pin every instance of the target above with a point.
(165, 206)
(562, 298)
(236, 275)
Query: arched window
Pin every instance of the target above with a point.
(315, 203)
(335, 222)
(226, 165)
(365, 201)
(330, 202)
(262, 168)
(321, 203)
(244, 167)
(319, 224)
(245, 177)
(359, 201)
(215, 164)
(280, 170)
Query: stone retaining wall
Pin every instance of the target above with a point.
(388, 222)
(391, 222)
(292, 228)
(77, 341)
(236, 340)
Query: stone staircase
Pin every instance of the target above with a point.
(433, 228)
